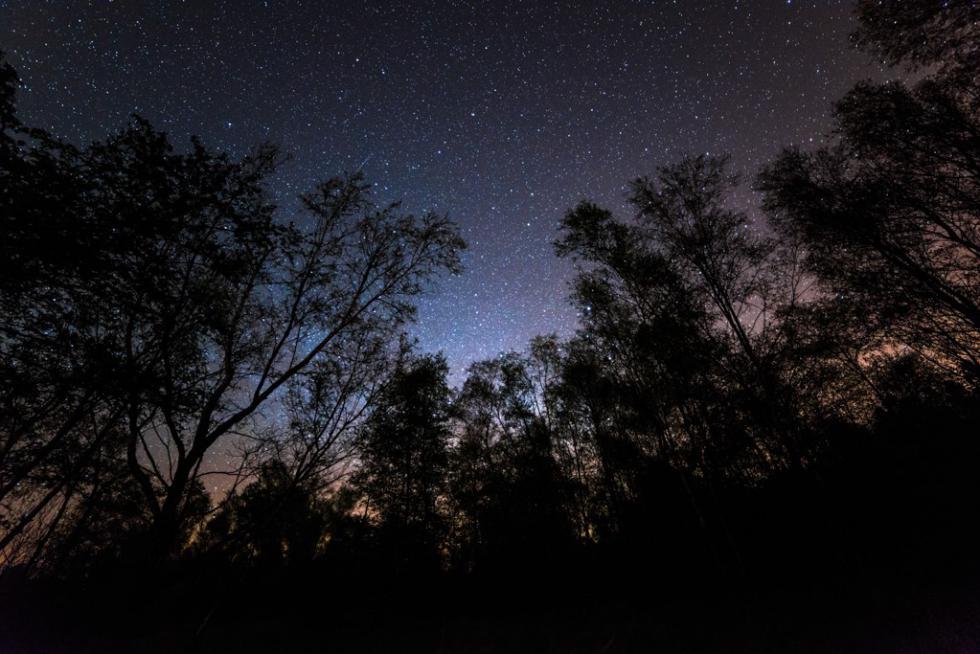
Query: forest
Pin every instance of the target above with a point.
(217, 433)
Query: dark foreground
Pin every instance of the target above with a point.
(317, 611)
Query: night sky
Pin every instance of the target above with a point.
(502, 114)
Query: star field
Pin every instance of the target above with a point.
(502, 114)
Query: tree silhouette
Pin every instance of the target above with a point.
(889, 215)
(178, 303)
(274, 521)
(921, 34)
(403, 454)
(507, 484)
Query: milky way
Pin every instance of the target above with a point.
(501, 114)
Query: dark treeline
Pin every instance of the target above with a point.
(763, 437)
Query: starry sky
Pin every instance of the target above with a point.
(501, 113)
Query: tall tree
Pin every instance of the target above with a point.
(158, 300)
(683, 214)
(890, 214)
(684, 301)
(403, 455)
(513, 500)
